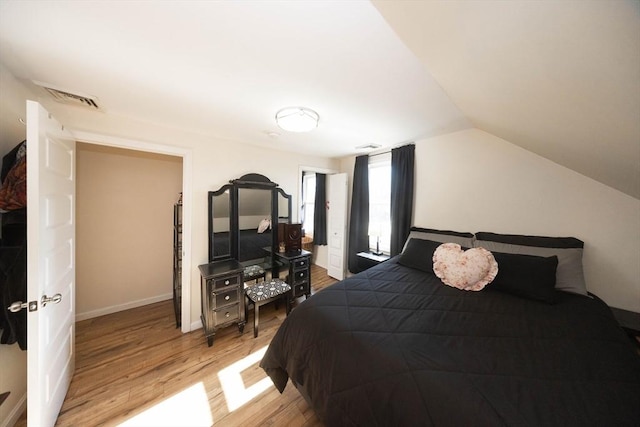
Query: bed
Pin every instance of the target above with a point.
(394, 346)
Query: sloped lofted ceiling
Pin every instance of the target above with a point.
(559, 78)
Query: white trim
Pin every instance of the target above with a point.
(187, 201)
(302, 169)
(16, 412)
(380, 158)
(121, 307)
(197, 325)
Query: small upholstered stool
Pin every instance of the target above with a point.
(263, 293)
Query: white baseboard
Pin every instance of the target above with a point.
(121, 307)
(15, 413)
(196, 325)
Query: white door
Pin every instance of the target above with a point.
(51, 264)
(337, 224)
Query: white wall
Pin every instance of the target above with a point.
(215, 162)
(13, 368)
(473, 181)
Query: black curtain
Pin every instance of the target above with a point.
(402, 177)
(359, 220)
(320, 212)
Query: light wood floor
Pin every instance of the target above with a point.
(135, 364)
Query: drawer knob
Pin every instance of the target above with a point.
(226, 282)
(227, 298)
(227, 314)
(301, 274)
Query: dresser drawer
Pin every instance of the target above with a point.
(300, 275)
(299, 289)
(224, 298)
(223, 282)
(227, 314)
(300, 263)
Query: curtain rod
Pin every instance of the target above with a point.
(379, 154)
(389, 150)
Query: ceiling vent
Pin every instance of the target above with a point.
(369, 147)
(69, 98)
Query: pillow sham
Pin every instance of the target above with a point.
(469, 270)
(569, 273)
(527, 276)
(418, 254)
(264, 225)
(443, 236)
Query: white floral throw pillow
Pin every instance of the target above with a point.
(470, 270)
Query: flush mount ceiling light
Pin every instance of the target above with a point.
(297, 119)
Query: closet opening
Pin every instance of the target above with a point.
(124, 228)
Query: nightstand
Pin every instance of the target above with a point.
(299, 276)
(367, 260)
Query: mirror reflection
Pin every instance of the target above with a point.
(254, 224)
(284, 205)
(220, 207)
(243, 219)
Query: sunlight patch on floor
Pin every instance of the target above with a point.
(190, 407)
(235, 392)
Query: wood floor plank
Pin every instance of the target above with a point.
(135, 362)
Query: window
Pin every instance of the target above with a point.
(380, 202)
(308, 202)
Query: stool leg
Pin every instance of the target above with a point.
(255, 319)
(287, 303)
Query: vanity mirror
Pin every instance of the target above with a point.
(243, 217)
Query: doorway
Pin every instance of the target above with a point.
(124, 216)
(320, 253)
(185, 155)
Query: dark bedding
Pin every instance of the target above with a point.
(251, 244)
(394, 346)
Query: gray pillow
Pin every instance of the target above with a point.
(569, 273)
(443, 236)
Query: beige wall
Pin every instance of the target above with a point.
(474, 181)
(124, 229)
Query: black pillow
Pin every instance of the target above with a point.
(528, 276)
(419, 254)
(536, 241)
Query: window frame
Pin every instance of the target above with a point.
(305, 205)
(379, 161)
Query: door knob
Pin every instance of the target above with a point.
(19, 305)
(54, 299)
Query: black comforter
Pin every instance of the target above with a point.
(393, 346)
